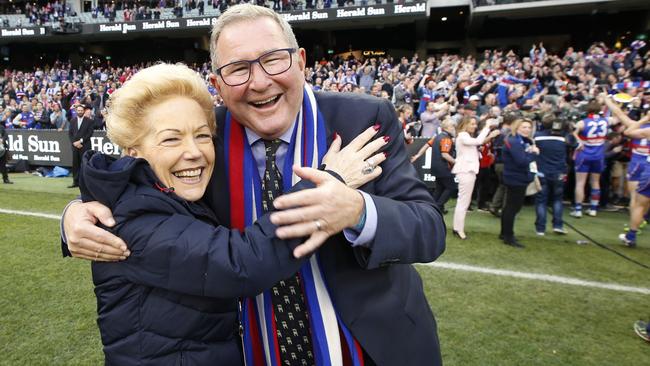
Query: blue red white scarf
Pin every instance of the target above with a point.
(332, 342)
(632, 84)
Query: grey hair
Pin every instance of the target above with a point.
(247, 12)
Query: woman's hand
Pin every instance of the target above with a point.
(493, 134)
(533, 150)
(358, 162)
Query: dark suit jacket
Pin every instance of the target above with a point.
(85, 132)
(376, 291)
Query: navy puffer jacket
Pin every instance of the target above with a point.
(174, 300)
(516, 161)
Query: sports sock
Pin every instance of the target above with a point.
(595, 199)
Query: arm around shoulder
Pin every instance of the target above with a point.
(186, 255)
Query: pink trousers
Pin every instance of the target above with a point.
(465, 189)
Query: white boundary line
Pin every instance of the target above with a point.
(461, 267)
(539, 277)
(29, 213)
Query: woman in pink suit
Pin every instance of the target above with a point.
(467, 166)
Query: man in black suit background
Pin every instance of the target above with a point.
(81, 129)
(4, 155)
(374, 290)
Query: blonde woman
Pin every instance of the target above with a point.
(467, 166)
(518, 154)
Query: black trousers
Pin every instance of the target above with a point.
(484, 187)
(515, 196)
(3, 166)
(77, 154)
(445, 187)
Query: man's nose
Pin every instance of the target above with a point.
(259, 78)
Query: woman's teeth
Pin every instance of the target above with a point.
(194, 173)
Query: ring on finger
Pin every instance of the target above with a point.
(319, 226)
(368, 169)
(371, 162)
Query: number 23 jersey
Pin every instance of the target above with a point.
(593, 137)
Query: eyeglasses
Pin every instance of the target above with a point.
(273, 63)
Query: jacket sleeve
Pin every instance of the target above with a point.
(89, 129)
(466, 139)
(410, 228)
(183, 254)
(520, 157)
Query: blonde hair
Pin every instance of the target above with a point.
(125, 121)
(518, 122)
(247, 12)
(446, 123)
(462, 126)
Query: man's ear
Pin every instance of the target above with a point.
(213, 82)
(132, 152)
(302, 59)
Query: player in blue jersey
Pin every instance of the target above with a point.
(591, 134)
(638, 172)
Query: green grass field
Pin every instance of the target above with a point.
(47, 307)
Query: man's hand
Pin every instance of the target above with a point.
(318, 212)
(87, 241)
(77, 144)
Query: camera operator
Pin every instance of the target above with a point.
(552, 169)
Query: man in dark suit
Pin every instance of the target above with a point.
(81, 129)
(374, 290)
(4, 155)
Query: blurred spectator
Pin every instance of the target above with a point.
(4, 154)
(518, 154)
(552, 172)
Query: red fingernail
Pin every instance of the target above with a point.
(386, 154)
(336, 135)
(386, 138)
(376, 127)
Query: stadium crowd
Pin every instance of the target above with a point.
(57, 12)
(471, 103)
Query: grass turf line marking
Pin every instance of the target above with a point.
(539, 277)
(459, 267)
(29, 213)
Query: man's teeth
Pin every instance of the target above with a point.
(266, 100)
(188, 173)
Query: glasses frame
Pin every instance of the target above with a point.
(291, 51)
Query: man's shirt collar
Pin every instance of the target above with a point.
(253, 137)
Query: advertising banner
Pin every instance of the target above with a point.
(412, 10)
(52, 147)
(22, 32)
(423, 164)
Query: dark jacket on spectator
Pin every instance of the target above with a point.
(552, 153)
(516, 161)
(174, 300)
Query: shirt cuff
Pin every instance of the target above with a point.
(367, 234)
(63, 238)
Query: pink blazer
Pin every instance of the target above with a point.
(467, 155)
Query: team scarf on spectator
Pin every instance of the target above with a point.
(632, 84)
(332, 342)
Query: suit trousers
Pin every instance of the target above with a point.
(3, 166)
(465, 189)
(445, 187)
(499, 197)
(515, 196)
(77, 155)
